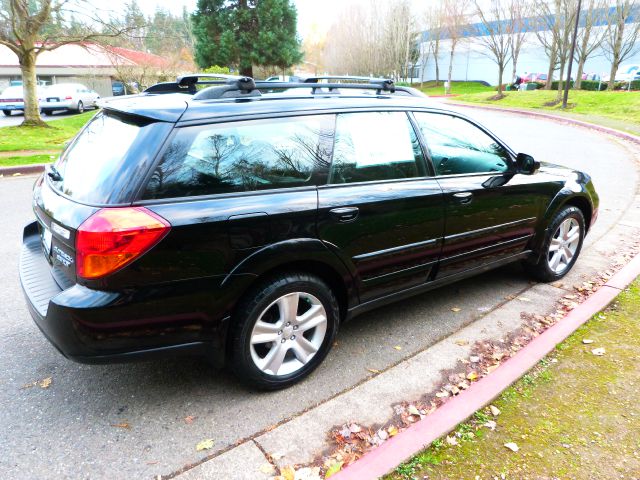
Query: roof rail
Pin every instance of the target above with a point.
(379, 85)
(187, 83)
(317, 79)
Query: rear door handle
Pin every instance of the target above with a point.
(344, 214)
(463, 197)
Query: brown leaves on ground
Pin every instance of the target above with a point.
(205, 444)
(44, 383)
(124, 425)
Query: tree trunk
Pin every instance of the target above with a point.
(500, 75)
(30, 88)
(246, 71)
(612, 75)
(447, 90)
(552, 67)
(515, 69)
(578, 83)
(436, 51)
(561, 80)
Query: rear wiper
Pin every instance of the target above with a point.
(54, 174)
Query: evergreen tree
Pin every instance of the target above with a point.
(244, 33)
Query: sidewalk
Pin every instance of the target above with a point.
(574, 416)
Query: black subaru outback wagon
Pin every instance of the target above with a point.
(246, 221)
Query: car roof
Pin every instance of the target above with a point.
(179, 107)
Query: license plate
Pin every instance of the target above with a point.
(46, 241)
(52, 100)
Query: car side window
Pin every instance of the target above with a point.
(458, 147)
(240, 156)
(373, 146)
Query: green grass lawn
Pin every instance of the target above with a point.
(26, 160)
(43, 138)
(576, 415)
(457, 88)
(618, 105)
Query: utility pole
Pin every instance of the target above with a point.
(567, 84)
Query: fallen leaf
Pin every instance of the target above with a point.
(495, 411)
(333, 469)
(288, 473)
(587, 341)
(524, 299)
(45, 383)
(373, 370)
(491, 424)
(397, 347)
(383, 434)
(413, 410)
(189, 419)
(462, 343)
(355, 428)
(451, 440)
(267, 469)
(474, 359)
(122, 425)
(456, 309)
(308, 473)
(205, 445)
(472, 376)
(512, 446)
(598, 351)
(392, 430)
(442, 394)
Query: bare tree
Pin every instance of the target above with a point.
(620, 42)
(588, 38)
(433, 20)
(27, 29)
(455, 18)
(519, 10)
(496, 34)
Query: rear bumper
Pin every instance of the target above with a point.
(93, 326)
(63, 105)
(11, 108)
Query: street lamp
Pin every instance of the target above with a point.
(573, 49)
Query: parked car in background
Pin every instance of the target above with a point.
(12, 100)
(118, 89)
(535, 77)
(68, 96)
(625, 73)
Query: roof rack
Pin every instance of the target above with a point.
(233, 86)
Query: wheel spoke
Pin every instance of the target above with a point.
(573, 235)
(555, 260)
(311, 318)
(273, 361)
(303, 349)
(264, 332)
(555, 245)
(288, 306)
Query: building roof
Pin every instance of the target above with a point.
(86, 55)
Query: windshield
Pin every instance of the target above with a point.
(112, 150)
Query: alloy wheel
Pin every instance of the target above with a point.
(564, 245)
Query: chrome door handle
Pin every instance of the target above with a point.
(344, 214)
(463, 197)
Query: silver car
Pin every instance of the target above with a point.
(68, 96)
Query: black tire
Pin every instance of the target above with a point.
(541, 270)
(47, 112)
(80, 108)
(7, 112)
(259, 301)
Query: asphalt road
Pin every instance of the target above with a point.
(69, 429)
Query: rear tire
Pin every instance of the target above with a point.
(80, 108)
(561, 246)
(283, 329)
(7, 112)
(47, 112)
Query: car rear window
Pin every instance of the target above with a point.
(107, 157)
(241, 156)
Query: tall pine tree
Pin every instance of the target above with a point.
(244, 33)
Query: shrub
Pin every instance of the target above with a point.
(635, 85)
(593, 85)
(217, 69)
(554, 84)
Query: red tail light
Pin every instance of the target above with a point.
(68, 98)
(113, 237)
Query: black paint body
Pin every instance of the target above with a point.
(386, 240)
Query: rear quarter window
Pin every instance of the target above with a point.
(241, 156)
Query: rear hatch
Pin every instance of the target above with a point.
(101, 168)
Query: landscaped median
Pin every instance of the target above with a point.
(575, 415)
(36, 145)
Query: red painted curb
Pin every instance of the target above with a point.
(396, 450)
(22, 169)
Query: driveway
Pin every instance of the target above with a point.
(128, 421)
(17, 118)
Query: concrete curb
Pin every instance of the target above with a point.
(22, 169)
(406, 444)
(528, 113)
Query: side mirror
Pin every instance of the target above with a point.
(526, 164)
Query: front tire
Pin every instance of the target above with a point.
(80, 108)
(561, 246)
(7, 112)
(283, 330)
